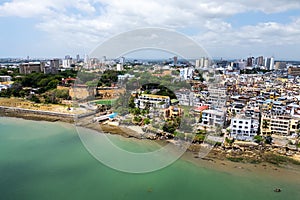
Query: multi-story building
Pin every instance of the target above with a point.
(5, 79)
(213, 118)
(269, 63)
(52, 68)
(172, 111)
(185, 97)
(151, 100)
(186, 73)
(31, 67)
(243, 128)
(279, 124)
(294, 71)
(217, 97)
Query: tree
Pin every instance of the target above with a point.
(169, 127)
(146, 121)
(52, 84)
(34, 98)
(136, 111)
(131, 103)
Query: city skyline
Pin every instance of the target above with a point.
(233, 29)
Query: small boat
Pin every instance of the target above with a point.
(277, 190)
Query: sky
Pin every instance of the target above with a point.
(231, 29)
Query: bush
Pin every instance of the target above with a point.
(258, 139)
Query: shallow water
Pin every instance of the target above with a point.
(43, 160)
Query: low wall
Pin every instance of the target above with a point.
(36, 114)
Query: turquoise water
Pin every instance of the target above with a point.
(43, 160)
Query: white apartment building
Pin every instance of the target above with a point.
(213, 118)
(243, 128)
(151, 100)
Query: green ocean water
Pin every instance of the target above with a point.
(43, 160)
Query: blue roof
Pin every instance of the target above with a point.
(113, 115)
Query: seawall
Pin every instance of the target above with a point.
(36, 114)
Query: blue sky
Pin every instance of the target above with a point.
(228, 29)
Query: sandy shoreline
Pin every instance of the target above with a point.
(35, 115)
(288, 172)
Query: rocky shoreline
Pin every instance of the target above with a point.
(236, 155)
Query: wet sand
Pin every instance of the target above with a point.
(287, 172)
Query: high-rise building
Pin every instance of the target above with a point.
(122, 60)
(269, 63)
(197, 64)
(202, 62)
(52, 68)
(120, 67)
(66, 63)
(259, 61)
(272, 63)
(175, 60)
(250, 61)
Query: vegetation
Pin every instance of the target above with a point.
(38, 83)
(258, 139)
(228, 141)
(278, 159)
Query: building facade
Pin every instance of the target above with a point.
(243, 128)
(152, 101)
(213, 118)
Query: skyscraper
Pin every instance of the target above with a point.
(269, 63)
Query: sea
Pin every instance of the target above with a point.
(47, 160)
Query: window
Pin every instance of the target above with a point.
(240, 122)
(234, 126)
(240, 127)
(246, 122)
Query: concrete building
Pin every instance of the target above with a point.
(259, 61)
(185, 97)
(280, 65)
(151, 100)
(172, 111)
(250, 61)
(66, 63)
(294, 71)
(279, 124)
(120, 67)
(125, 76)
(269, 63)
(5, 78)
(32, 67)
(53, 67)
(243, 128)
(186, 73)
(213, 118)
(217, 97)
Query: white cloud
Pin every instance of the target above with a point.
(84, 23)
